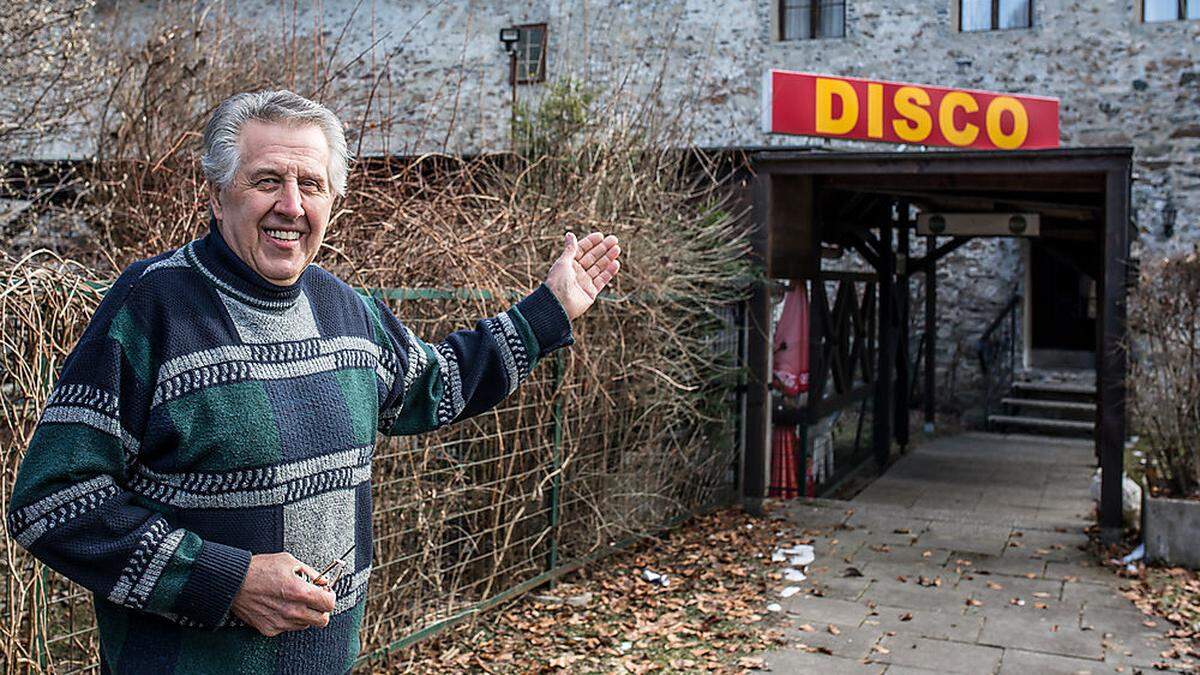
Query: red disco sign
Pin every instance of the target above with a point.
(874, 110)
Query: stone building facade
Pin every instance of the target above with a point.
(1120, 80)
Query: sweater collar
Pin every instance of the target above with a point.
(230, 274)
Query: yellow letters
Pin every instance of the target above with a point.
(875, 110)
(908, 113)
(950, 102)
(826, 90)
(1020, 122)
(917, 124)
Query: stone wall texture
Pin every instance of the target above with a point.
(1120, 82)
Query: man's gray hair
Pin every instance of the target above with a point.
(220, 160)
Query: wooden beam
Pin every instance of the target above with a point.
(865, 243)
(1023, 163)
(902, 332)
(835, 275)
(1079, 183)
(881, 416)
(930, 334)
(758, 321)
(1111, 366)
(790, 219)
(959, 201)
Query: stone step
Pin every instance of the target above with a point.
(1051, 404)
(1053, 388)
(1041, 423)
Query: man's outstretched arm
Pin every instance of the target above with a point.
(471, 371)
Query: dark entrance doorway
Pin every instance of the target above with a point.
(1062, 306)
(807, 204)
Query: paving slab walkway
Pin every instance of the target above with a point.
(964, 557)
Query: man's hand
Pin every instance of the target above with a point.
(273, 599)
(582, 271)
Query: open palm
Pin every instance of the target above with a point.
(583, 270)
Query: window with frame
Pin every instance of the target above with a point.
(530, 65)
(979, 15)
(807, 19)
(1170, 10)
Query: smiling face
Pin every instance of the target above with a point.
(274, 212)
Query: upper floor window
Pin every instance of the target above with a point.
(975, 15)
(805, 19)
(530, 64)
(1170, 10)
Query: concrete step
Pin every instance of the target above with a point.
(1051, 404)
(1048, 388)
(1041, 423)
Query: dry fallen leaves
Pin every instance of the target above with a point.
(711, 617)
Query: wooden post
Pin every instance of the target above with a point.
(758, 357)
(1111, 355)
(903, 390)
(930, 334)
(881, 415)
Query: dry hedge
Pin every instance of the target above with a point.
(1164, 320)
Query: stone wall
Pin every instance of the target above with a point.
(1120, 82)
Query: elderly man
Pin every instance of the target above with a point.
(208, 444)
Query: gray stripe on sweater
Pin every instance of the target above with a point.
(162, 554)
(333, 480)
(139, 560)
(262, 326)
(72, 502)
(496, 328)
(236, 363)
(46, 504)
(69, 414)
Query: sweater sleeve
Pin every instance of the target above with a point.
(470, 371)
(70, 507)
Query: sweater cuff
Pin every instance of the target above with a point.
(547, 319)
(216, 577)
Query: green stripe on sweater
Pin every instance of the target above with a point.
(80, 453)
(133, 341)
(174, 575)
(226, 427)
(361, 398)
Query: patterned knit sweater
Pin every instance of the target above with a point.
(206, 415)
